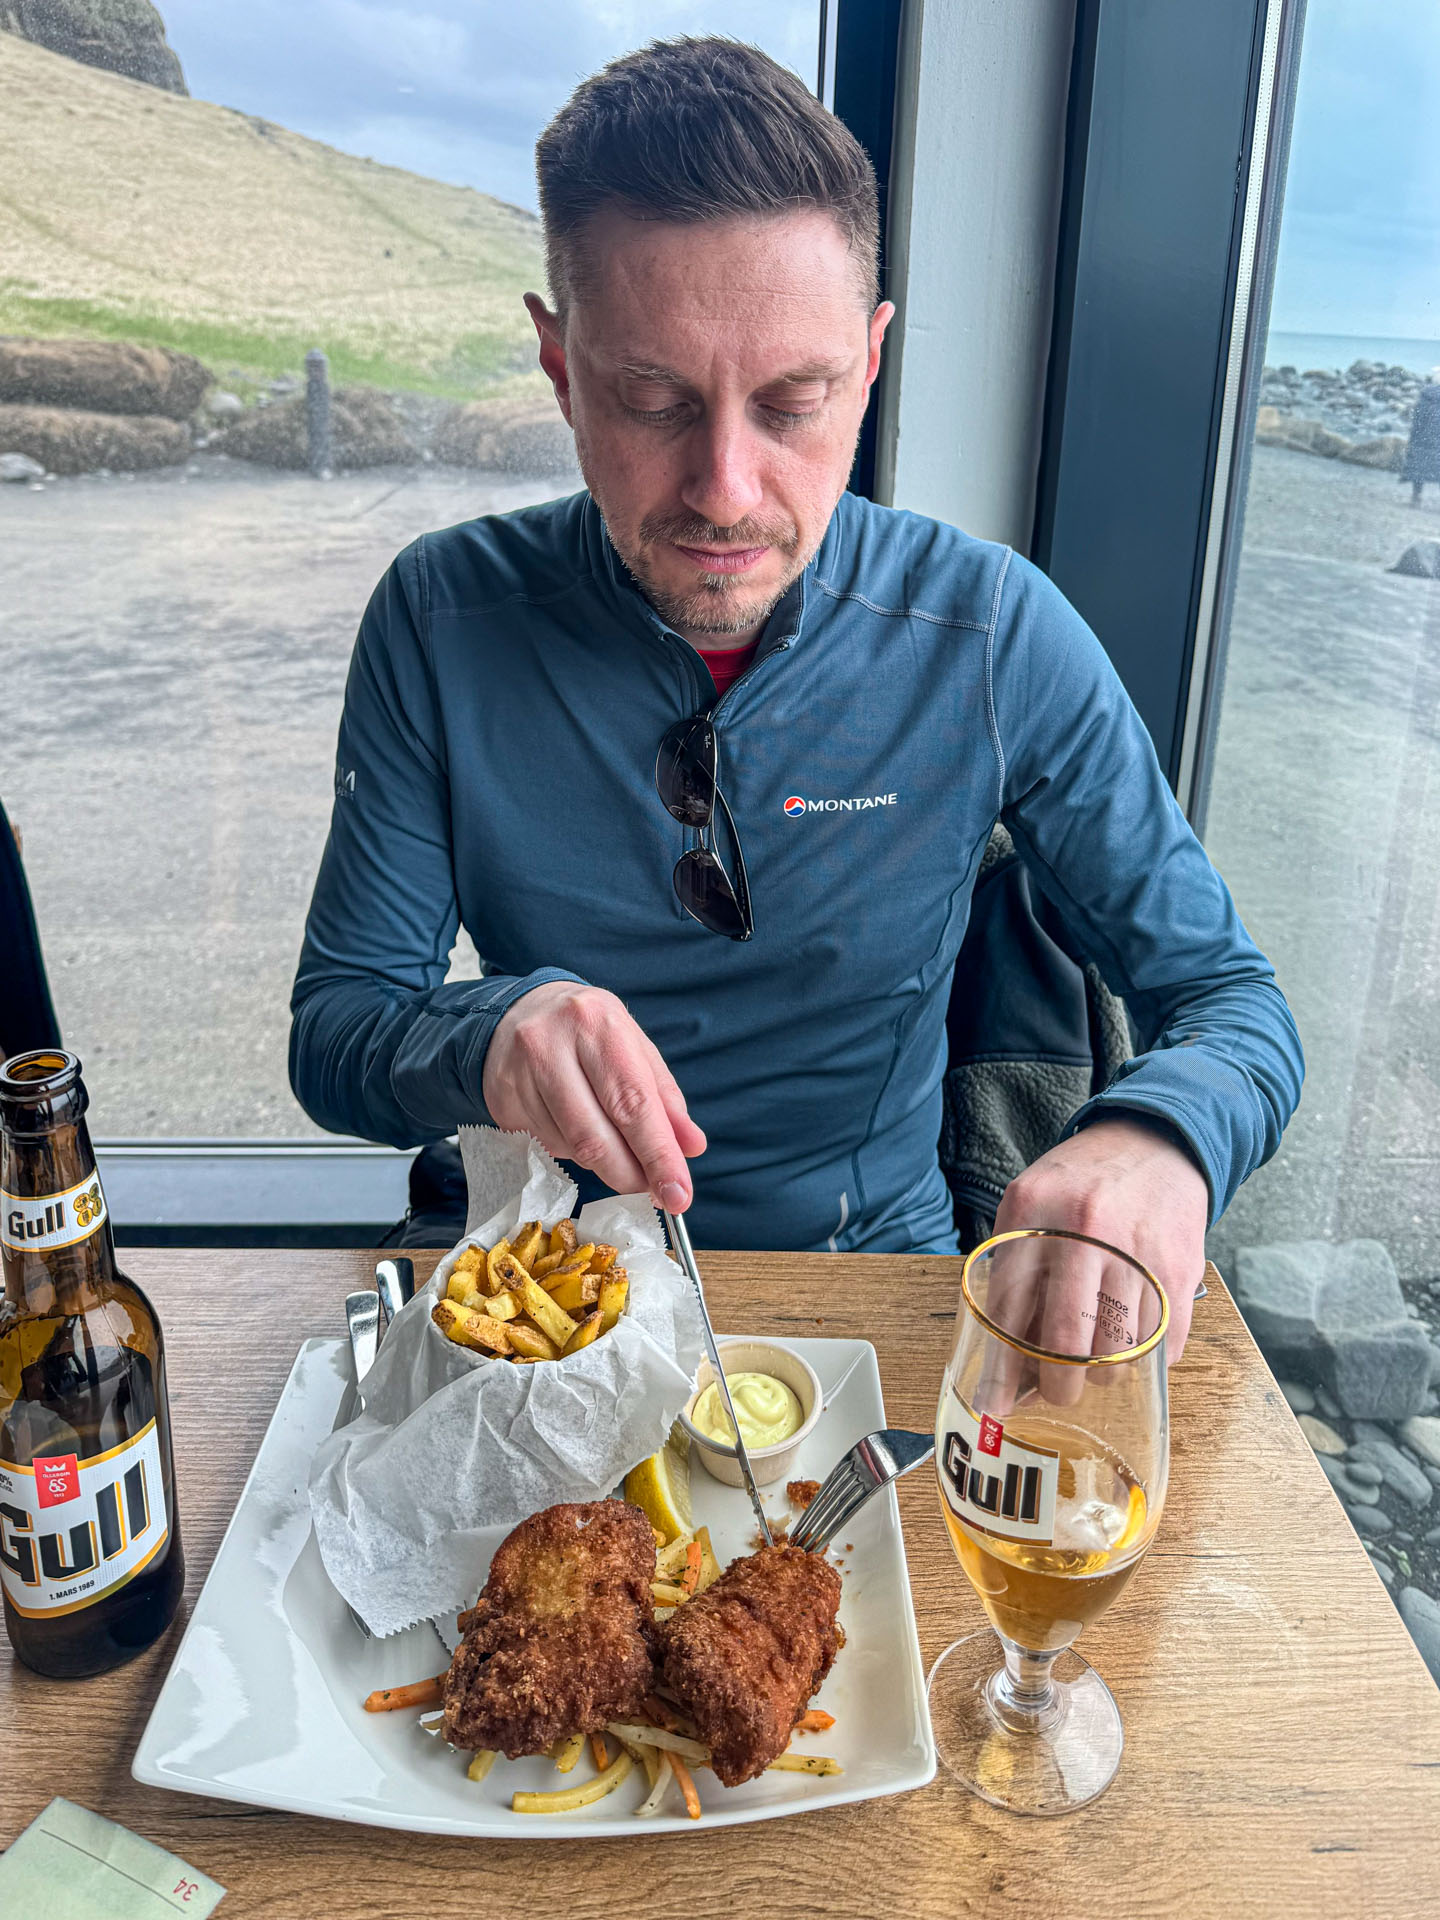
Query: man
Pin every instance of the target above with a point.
(883, 689)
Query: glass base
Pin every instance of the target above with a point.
(1044, 1759)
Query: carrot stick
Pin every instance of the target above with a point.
(660, 1714)
(694, 1558)
(815, 1721)
(419, 1693)
(687, 1785)
(599, 1752)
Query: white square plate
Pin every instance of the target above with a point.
(263, 1701)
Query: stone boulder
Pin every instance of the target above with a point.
(1420, 561)
(1421, 1615)
(525, 435)
(119, 36)
(67, 441)
(1386, 453)
(1335, 1314)
(18, 469)
(103, 376)
(366, 430)
(1276, 429)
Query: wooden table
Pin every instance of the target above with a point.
(1282, 1735)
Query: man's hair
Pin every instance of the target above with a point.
(698, 129)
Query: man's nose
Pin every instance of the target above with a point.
(723, 483)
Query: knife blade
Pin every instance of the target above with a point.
(680, 1241)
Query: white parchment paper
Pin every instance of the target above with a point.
(452, 1446)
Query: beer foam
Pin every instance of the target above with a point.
(1090, 1520)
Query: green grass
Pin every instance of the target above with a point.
(473, 364)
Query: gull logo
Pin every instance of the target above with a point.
(795, 805)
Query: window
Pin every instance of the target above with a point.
(181, 593)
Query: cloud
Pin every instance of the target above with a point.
(457, 89)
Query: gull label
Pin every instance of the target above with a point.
(33, 1223)
(73, 1530)
(992, 1482)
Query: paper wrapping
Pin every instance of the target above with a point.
(453, 1448)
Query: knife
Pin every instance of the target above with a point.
(680, 1241)
(395, 1283)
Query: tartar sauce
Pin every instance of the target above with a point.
(767, 1410)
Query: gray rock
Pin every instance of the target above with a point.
(1398, 1472)
(1435, 1362)
(17, 467)
(1326, 1402)
(1421, 1615)
(224, 406)
(1322, 1438)
(1384, 1572)
(1363, 1470)
(1370, 1520)
(1431, 1402)
(1432, 1538)
(1363, 1493)
(1337, 1311)
(1432, 1474)
(1335, 1472)
(1299, 1399)
(1423, 1434)
(1421, 560)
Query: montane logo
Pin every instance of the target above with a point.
(795, 804)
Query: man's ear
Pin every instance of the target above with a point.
(879, 321)
(552, 351)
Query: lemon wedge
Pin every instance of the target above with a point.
(660, 1487)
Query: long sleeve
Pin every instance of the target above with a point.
(1084, 797)
(380, 1046)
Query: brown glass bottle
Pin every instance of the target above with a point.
(91, 1564)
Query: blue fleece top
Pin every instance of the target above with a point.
(508, 691)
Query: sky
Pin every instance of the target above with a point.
(459, 89)
(456, 89)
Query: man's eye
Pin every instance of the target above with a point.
(655, 416)
(785, 417)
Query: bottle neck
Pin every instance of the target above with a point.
(54, 1225)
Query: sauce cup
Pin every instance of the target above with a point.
(782, 1363)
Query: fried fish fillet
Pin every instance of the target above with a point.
(559, 1640)
(744, 1657)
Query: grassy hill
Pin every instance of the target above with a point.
(131, 214)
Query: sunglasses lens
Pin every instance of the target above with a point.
(685, 772)
(706, 894)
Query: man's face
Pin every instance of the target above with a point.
(715, 376)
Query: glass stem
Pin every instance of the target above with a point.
(1022, 1694)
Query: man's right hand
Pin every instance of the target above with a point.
(568, 1064)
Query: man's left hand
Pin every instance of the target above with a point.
(1124, 1182)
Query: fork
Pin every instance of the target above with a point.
(870, 1464)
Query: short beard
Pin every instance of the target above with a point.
(717, 604)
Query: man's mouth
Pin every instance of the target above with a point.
(723, 559)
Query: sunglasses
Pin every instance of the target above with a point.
(687, 778)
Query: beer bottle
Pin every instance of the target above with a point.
(91, 1565)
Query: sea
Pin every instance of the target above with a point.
(1305, 351)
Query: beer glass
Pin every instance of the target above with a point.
(1052, 1451)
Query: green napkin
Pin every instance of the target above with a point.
(70, 1864)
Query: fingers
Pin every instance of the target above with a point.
(568, 1064)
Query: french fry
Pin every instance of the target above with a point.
(574, 1290)
(470, 1329)
(613, 1291)
(815, 1721)
(602, 1258)
(567, 1751)
(529, 1243)
(504, 1305)
(571, 1798)
(580, 1258)
(484, 1759)
(417, 1693)
(585, 1334)
(599, 1752)
(563, 1237)
(503, 1270)
(543, 1311)
(461, 1284)
(528, 1342)
(546, 1265)
(472, 1260)
(666, 1595)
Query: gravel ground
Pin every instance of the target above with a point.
(177, 645)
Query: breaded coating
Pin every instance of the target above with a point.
(744, 1657)
(559, 1640)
